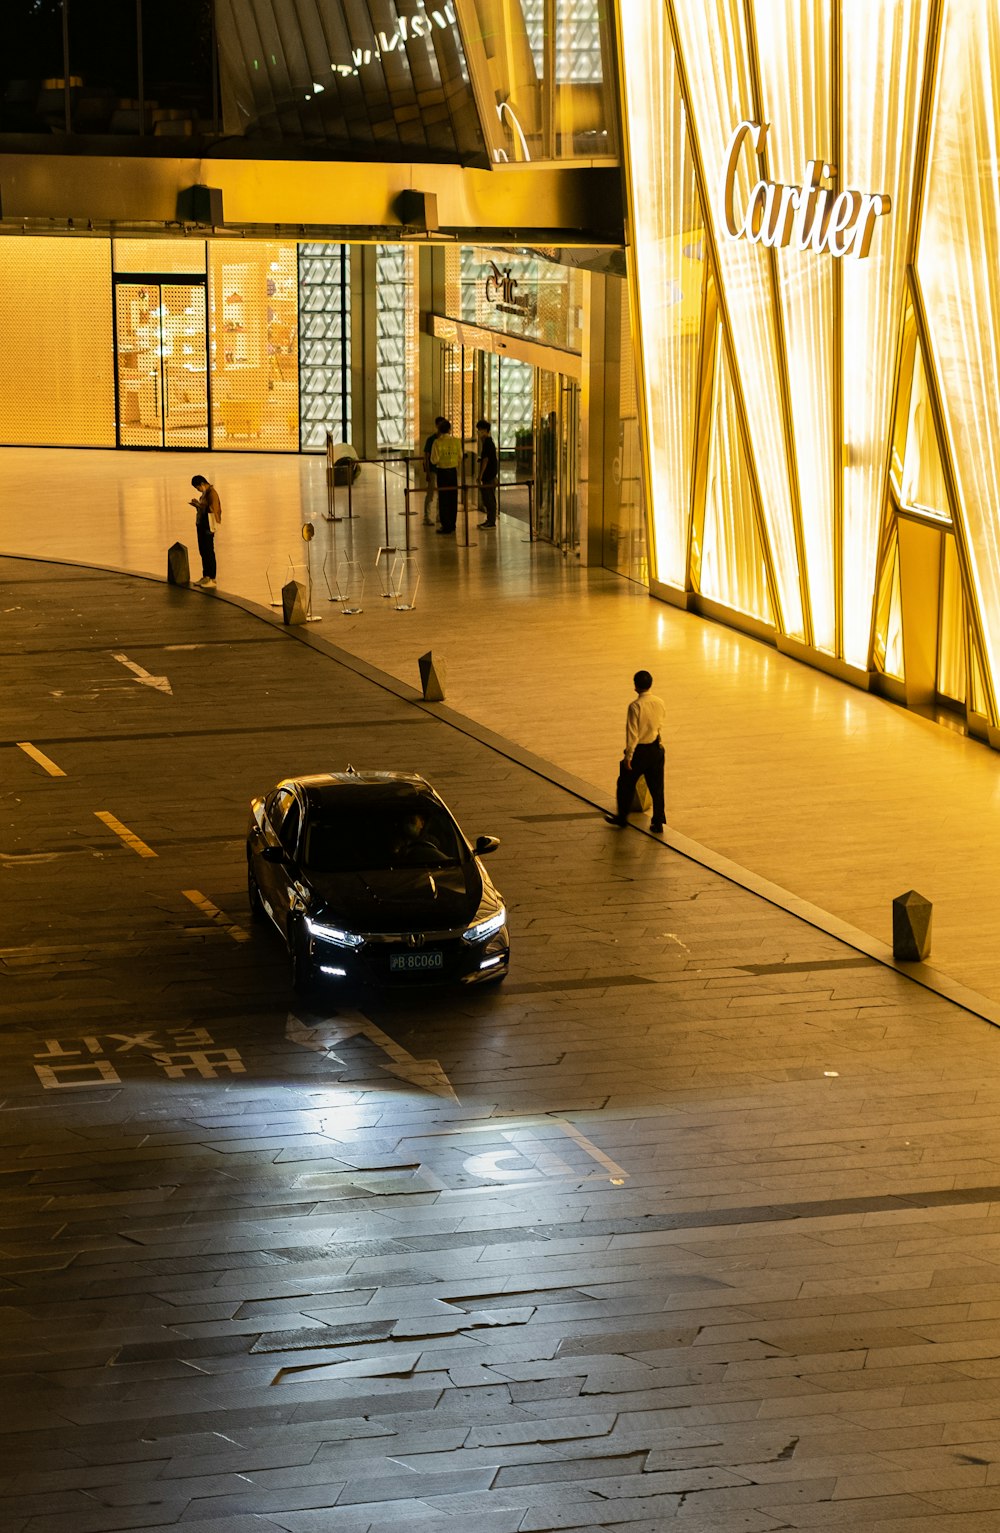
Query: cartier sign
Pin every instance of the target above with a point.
(501, 292)
(808, 217)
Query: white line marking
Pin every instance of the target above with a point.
(43, 761)
(613, 1169)
(159, 682)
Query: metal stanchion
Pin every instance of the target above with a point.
(407, 513)
(382, 566)
(308, 533)
(529, 485)
(465, 509)
(385, 504)
(331, 497)
(406, 489)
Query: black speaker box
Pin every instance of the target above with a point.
(417, 210)
(200, 205)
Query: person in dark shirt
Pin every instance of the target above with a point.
(207, 518)
(489, 473)
(430, 474)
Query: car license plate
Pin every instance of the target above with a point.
(414, 963)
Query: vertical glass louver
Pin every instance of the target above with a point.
(324, 344)
(396, 358)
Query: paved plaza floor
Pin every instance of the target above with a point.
(839, 798)
(692, 1223)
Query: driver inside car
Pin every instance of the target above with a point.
(415, 843)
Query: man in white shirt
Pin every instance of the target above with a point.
(644, 753)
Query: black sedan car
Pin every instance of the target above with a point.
(368, 878)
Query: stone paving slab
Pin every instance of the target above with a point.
(708, 1238)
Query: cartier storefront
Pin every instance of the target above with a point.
(815, 277)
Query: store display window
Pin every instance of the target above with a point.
(253, 324)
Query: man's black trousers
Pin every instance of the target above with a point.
(648, 762)
(447, 479)
(206, 547)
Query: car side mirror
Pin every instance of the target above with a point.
(486, 844)
(273, 854)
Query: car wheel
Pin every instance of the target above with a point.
(254, 900)
(303, 969)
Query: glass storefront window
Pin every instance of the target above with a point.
(253, 311)
(730, 559)
(624, 499)
(923, 485)
(951, 679)
(669, 269)
(958, 270)
(516, 292)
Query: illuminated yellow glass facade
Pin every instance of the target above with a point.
(821, 392)
(57, 380)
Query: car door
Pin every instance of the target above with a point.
(282, 822)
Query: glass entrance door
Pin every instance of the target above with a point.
(557, 459)
(161, 363)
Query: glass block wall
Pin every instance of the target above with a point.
(396, 358)
(324, 343)
(578, 52)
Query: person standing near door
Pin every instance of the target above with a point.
(430, 474)
(207, 516)
(446, 455)
(489, 473)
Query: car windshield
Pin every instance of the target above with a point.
(379, 837)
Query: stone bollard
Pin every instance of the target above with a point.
(911, 927)
(178, 565)
(431, 678)
(295, 603)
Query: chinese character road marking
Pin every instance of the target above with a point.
(203, 1062)
(127, 836)
(215, 914)
(50, 1075)
(43, 761)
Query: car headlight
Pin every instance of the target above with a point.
(334, 934)
(488, 927)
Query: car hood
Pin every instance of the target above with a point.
(410, 899)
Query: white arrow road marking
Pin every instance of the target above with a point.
(324, 1036)
(159, 682)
